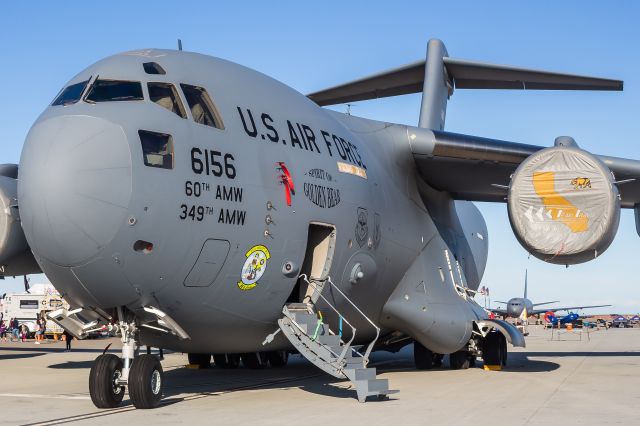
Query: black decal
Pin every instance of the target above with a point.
(325, 135)
(253, 132)
(321, 195)
(362, 229)
(377, 233)
(352, 149)
(267, 121)
(357, 153)
(217, 165)
(231, 193)
(345, 145)
(293, 135)
(311, 137)
(240, 217)
(196, 162)
(304, 141)
(232, 217)
(229, 168)
(237, 195)
(339, 147)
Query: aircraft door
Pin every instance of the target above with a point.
(317, 262)
(209, 263)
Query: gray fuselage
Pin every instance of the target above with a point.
(90, 207)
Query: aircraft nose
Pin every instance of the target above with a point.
(74, 187)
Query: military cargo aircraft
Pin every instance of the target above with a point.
(191, 203)
(522, 307)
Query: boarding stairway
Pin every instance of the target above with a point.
(303, 325)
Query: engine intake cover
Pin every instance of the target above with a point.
(563, 205)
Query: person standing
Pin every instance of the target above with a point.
(38, 331)
(3, 331)
(24, 331)
(67, 338)
(15, 328)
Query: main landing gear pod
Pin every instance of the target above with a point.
(563, 205)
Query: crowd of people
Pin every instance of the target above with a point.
(15, 332)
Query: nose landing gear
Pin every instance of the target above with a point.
(141, 374)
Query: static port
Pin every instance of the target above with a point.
(143, 246)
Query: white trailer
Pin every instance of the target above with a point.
(26, 307)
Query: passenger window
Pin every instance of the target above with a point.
(153, 68)
(166, 96)
(157, 149)
(114, 90)
(71, 94)
(202, 108)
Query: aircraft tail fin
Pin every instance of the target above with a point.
(525, 283)
(438, 75)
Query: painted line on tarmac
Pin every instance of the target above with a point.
(168, 401)
(31, 395)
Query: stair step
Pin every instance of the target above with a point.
(330, 340)
(365, 374)
(298, 307)
(377, 385)
(353, 362)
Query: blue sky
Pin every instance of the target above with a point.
(310, 46)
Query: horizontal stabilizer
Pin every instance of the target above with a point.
(462, 75)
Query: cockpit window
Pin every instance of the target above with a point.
(166, 95)
(71, 94)
(114, 90)
(202, 108)
(157, 149)
(153, 68)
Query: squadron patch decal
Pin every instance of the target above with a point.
(254, 267)
(362, 229)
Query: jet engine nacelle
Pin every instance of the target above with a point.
(563, 205)
(15, 256)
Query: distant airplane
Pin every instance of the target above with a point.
(522, 307)
(570, 318)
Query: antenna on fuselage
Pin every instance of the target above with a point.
(180, 45)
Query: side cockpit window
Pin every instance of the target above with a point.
(70, 94)
(157, 149)
(202, 109)
(166, 95)
(114, 91)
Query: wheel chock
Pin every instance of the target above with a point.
(492, 367)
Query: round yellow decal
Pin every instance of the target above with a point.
(253, 267)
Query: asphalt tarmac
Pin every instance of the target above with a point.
(576, 378)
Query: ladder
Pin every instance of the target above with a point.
(303, 325)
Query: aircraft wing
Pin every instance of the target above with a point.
(571, 308)
(479, 169)
(498, 311)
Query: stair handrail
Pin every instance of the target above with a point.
(370, 346)
(347, 345)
